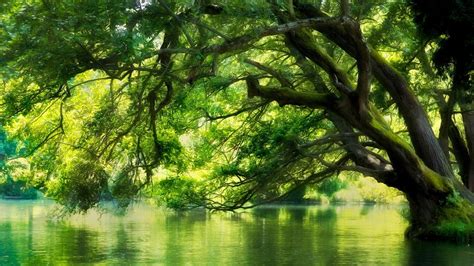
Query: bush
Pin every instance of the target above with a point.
(17, 189)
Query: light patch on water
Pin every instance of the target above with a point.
(271, 235)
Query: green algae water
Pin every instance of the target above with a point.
(273, 235)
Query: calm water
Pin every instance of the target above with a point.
(320, 235)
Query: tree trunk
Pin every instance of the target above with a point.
(422, 136)
(440, 207)
(437, 199)
(440, 218)
(468, 119)
(460, 152)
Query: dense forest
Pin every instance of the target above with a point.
(230, 104)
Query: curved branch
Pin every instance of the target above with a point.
(363, 63)
(303, 42)
(287, 96)
(238, 112)
(421, 133)
(246, 40)
(283, 81)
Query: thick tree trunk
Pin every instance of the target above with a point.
(422, 136)
(440, 218)
(441, 207)
(423, 172)
(460, 152)
(468, 119)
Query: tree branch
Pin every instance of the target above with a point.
(238, 112)
(247, 40)
(363, 63)
(345, 8)
(421, 133)
(303, 42)
(287, 96)
(283, 81)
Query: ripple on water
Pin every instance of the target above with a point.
(273, 235)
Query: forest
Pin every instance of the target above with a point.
(227, 105)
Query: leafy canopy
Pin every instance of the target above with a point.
(109, 97)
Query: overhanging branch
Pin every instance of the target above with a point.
(236, 113)
(286, 96)
(246, 40)
(283, 81)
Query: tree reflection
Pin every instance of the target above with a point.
(8, 252)
(125, 248)
(291, 235)
(428, 253)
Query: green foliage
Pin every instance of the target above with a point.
(79, 186)
(123, 189)
(7, 147)
(373, 192)
(455, 231)
(13, 175)
(265, 154)
(107, 98)
(17, 189)
(455, 223)
(330, 186)
(178, 193)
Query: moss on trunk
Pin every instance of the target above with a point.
(452, 220)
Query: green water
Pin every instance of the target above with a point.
(276, 235)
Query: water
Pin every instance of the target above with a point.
(276, 235)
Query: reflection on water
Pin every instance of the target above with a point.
(273, 235)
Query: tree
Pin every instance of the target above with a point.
(12, 182)
(103, 92)
(454, 55)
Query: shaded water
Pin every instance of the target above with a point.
(275, 235)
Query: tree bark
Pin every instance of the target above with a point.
(468, 119)
(448, 131)
(423, 171)
(422, 136)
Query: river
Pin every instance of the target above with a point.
(273, 235)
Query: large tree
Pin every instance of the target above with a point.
(445, 23)
(103, 90)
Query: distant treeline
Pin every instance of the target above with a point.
(9, 187)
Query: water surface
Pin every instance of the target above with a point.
(273, 235)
